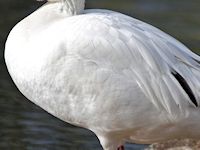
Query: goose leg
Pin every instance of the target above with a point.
(121, 148)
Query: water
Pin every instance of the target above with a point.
(24, 126)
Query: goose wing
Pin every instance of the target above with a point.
(167, 72)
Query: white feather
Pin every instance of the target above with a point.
(107, 72)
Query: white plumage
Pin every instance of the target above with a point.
(123, 79)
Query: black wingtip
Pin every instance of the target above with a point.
(196, 60)
(186, 87)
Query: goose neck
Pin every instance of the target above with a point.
(71, 7)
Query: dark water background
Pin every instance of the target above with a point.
(24, 126)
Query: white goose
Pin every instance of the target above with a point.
(119, 77)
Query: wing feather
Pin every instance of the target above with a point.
(151, 57)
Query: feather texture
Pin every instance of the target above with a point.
(105, 71)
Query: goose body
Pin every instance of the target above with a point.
(119, 77)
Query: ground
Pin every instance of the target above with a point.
(186, 144)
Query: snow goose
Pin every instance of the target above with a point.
(119, 77)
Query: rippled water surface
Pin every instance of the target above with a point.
(24, 126)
